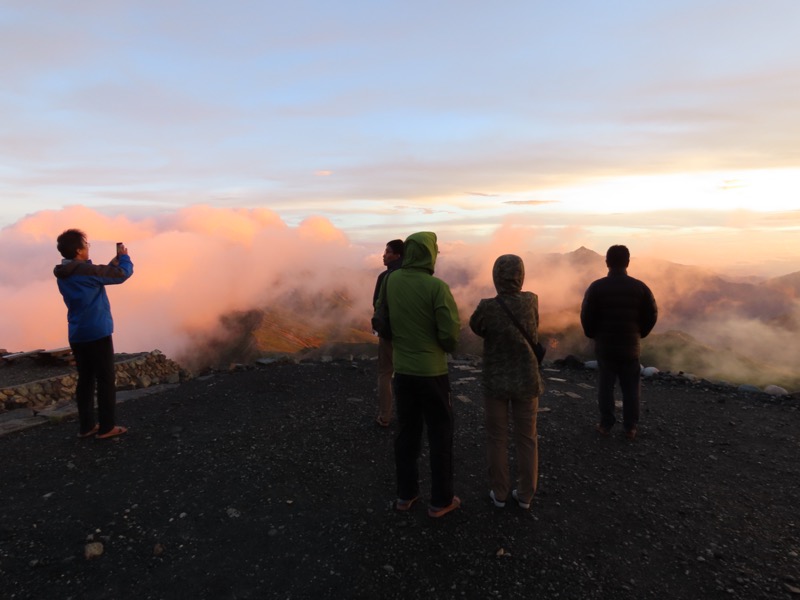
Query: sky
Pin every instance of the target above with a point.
(671, 126)
(216, 136)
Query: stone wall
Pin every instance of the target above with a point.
(140, 372)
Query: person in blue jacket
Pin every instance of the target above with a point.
(83, 287)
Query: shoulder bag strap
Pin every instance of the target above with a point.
(524, 333)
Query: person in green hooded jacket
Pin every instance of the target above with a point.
(425, 327)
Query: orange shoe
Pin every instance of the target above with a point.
(91, 432)
(436, 512)
(113, 432)
(404, 505)
(602, 430)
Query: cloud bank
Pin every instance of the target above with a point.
(198, 266)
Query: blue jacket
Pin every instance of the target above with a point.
(83, 287)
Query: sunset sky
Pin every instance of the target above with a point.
(673, 127)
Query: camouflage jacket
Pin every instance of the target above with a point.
(510, 368)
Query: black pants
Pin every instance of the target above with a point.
(627, 370)
(424, 400)
(95, 362)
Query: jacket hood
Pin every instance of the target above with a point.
(421, 251)
(67, 267)
(508, 274)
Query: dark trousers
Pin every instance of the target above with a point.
(627, 371)
(424, 400)
(95, 362)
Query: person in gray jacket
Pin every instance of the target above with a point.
(510, 379)
(617, 312)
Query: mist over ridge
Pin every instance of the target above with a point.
(225, 285)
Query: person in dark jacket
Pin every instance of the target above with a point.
(82, 285)
(510, 379)
(392, 260)
(425, 327)
(617, 312)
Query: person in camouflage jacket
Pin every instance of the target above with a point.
(510, 378)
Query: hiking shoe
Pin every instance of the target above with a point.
(497, 502)
(404, 505)
(436, 512)
(522, 505)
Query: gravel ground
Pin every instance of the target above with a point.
(276, 483)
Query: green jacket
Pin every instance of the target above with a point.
(422, 311)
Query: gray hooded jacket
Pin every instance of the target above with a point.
(510, 368)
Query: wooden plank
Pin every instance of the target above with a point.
(55, 356)
(17, 355)
(57, 352)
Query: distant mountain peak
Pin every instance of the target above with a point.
(584, 251)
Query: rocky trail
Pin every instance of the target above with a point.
(274, 482)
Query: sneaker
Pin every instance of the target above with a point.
(631, 433)
(497, 502)
(436, 512)
(522, 505)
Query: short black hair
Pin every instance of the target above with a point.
(618, 256)
(70, 242)
(397, 246)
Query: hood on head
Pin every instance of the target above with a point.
(508, 274)
(421, 251)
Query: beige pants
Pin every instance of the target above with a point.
(523, 414)
(385, 372)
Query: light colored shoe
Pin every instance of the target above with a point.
(522, 505)
(497, 502)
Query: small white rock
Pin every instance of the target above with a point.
(775, 390)
(93, 550)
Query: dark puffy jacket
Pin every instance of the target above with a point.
(392, 266)
(510, 368)
(618, 311)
